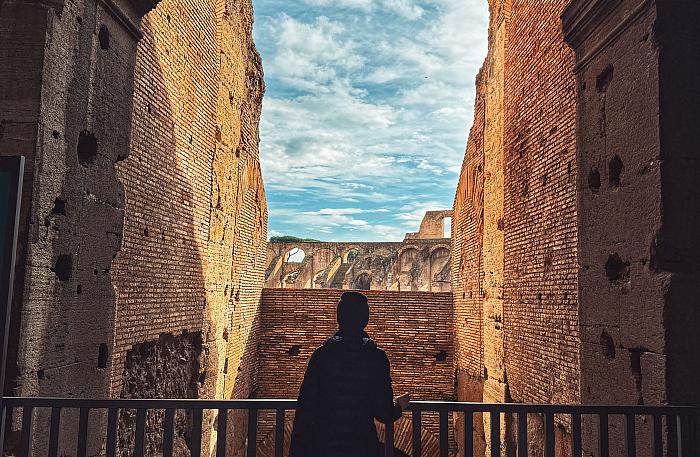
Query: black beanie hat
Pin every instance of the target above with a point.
(352, 312)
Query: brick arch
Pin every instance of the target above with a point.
(403, 436)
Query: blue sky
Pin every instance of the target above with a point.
(367, 110)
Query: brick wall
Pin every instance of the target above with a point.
(414, 328)
(193, 254)
(514, 270)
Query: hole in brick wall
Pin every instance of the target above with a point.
(55, 134)
(608, 345)
(79, 20)
(615, 168)
(294, 350)
(79, 289)
(94, 272)
(225, 334)
(441, 356)
(41, 374)
(146, 232)
(545, 179)
(87, 148)
(148, 108)
(616, 269)
(464, 295)
(226, 366)
(539, 298)
(594, 180)
(602, 81)
(63, 267)
(102, 356)
(568, 168)
(59, 207)
(103, 37)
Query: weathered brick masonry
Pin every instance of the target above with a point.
(144, 217)
(572, 259)
(415, 329)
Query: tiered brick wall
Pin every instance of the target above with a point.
(540, 282)
(414, 328)
(514, 270)
(193, 254)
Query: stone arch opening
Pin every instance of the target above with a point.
(363, 282)
(406, 259)
(351, 254)
(295, 255)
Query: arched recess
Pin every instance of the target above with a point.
(319, 279)
(351, 254)
(406, 259)
(362, 282)
(439, 274)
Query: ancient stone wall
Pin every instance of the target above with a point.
(144, 213)
(514, 224)
(414, 328)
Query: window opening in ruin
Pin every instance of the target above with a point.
(296, 255)
(352, 255)
(447, 227)
(363, 282)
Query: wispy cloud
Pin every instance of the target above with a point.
(367, 110)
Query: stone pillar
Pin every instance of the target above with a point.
(65, 103)
(638, 212)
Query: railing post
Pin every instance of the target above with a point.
(416, 431)
(83, 431)
(54, 431)
(27, 430)
(576, 429)
(495, 433)
(658, 441)
(468, 434)
(139, 444)
(168, 432)
(279, 432)
(389, 439)
(112, 432)
(549, 439)
(221, 432)
(252, 432)
(444, 437)
(603, 435)
(196, 444)
(522, 434)
(631, 435)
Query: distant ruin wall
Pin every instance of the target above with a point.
(414, 328)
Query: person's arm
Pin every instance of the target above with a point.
(303, 432)
(385, 408)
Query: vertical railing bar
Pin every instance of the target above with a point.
(658, 442)
(469, 434)
(279, 432)
(576, 442)
(522, 434)
(140, 438)
(679, 436)
(3, 415)
(495, 433)
(631, 435)
(389, 439)
(196, 444)
(54, 431)
(252, 432)
(27, 413)
(83, 431)
(603, 435)
(168, 432)
(221, 432)
(549, 440)
(416, 427)
(112, 414)
(444, 437)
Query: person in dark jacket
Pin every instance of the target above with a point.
(346, 386)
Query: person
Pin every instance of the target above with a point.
(346, 386)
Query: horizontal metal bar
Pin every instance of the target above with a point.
(275, 404)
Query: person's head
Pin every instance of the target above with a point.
(352, 312)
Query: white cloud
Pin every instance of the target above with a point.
(368, 103)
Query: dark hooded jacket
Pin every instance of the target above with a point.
(347, 385)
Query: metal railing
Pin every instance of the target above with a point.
(674, 430)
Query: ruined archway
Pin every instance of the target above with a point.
(362, 282)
